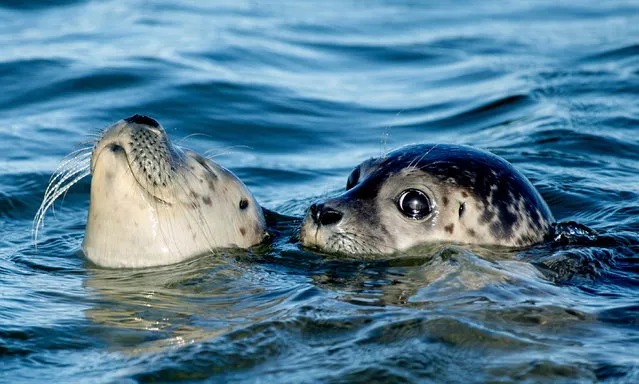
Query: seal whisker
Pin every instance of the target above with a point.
(151, 203)
(226, 150)
(47, 202)
(413, 165)
(79, 161)
(89, 140)
(73, 154)
(179, 142)
(433, 193)
(58, 180)
(77, 155)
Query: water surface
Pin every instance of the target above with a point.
(294, 95)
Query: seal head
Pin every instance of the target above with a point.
(429, 193)
(153, 203)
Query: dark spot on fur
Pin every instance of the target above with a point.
(244, 204)
(471, 232)
(449, 228)
(243, 231)
(464, 194)
(445, 201)
(206, 200)
(211, 185)
(487, 216)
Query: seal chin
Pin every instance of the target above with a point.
(153, 203)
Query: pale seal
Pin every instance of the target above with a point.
(153, 203)
(429, 193)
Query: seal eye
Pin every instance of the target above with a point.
(243, 204)
(353, 178)
(414, 204)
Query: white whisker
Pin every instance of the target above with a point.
(58, 190)
(59, 172)
(61, 177)
(415, 163)
(74, 155)
(179, 142)
(208, 154)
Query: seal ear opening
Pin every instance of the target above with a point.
(353, 179)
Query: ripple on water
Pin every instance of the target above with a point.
(313, 89)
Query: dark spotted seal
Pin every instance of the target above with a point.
(429, 193)
(153, 203)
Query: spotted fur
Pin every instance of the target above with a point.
(153, 203)
(475, 196)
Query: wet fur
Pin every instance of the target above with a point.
(153, 203)
(477, 197)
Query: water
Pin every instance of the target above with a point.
(311, 89)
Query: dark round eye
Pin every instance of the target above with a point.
(243, 204)
(353, 178)
(414, 203)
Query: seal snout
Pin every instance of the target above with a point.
(142, 120)
(323, 215)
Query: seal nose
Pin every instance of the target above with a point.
(323, 215)
(141, 119)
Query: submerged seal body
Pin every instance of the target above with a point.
(429, 193)
(153, 203)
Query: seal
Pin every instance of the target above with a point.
(429, 193)
(153, 203)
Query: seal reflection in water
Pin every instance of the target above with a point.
(153, 203)
(429, 193)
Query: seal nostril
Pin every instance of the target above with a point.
(315, 213)
(141, 119)
(323, 215)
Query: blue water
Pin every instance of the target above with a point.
(293, 95)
